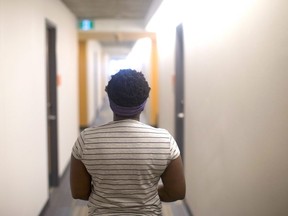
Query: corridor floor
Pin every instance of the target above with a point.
(62, 204)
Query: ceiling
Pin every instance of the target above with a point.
(124, 16)
(113, 9)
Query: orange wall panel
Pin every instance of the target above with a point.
(82, 84)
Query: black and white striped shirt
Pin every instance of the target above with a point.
(125, 159)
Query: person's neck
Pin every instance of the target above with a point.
(118, 118)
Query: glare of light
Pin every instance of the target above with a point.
(211, 19)
(137, 58)
(207, 19)
(169, 14)
(115, 65)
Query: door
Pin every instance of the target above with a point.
(179, 89)
(52, 104)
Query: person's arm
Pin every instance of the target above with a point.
(174, 186)
(80, 180)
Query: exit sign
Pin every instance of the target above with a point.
(86, 24)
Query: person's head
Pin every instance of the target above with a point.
(128, 91)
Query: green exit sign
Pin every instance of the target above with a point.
(86, 24)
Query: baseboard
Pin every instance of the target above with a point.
(42, 213)
(187, 208)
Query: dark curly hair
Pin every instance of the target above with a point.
(128, 88)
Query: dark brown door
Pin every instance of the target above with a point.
(179, 89)
(52, 104)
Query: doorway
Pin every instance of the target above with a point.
(52, 104)
(179, 89)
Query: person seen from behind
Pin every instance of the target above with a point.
(117, 166)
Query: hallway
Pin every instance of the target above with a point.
(61, 202)
(233, 55)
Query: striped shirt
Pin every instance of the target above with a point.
(125, 159)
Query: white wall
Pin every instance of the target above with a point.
(236, 105)
(94, 85)
(23, 140)
(236, 94)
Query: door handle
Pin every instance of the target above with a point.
(180, 115)
(52, 117)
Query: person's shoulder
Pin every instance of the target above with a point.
(163, 130)
(95, 129)
(158, 129)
